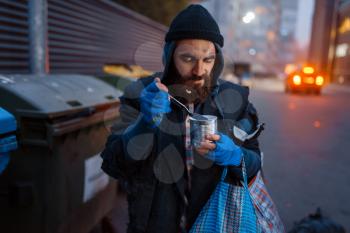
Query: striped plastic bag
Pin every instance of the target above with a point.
(228, 210)
(266, 211)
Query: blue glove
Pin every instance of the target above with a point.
(154, 104)
(226, 152)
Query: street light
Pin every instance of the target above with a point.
(249, 17)
(246, 19)
(252, 52)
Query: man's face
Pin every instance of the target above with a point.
(190, 74)
(194, 59)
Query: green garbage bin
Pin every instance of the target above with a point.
(54, 182)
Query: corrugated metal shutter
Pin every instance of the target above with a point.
(14, 43)
(85, 35)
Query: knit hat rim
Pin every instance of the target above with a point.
(202, 34)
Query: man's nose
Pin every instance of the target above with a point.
(198, 69)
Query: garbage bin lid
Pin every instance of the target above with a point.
(7, 122)
(54, 93)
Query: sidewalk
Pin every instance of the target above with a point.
(119, 215)
(337, 88)
(268, 84)
(277, 85)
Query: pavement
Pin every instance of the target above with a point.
(277, 85)
(119, 215)
(306, 150)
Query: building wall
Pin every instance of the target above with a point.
(288, 30)
(82, 36)
(340, 64)
(330, 40)
(320, 42)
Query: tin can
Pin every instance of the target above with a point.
(200, 128)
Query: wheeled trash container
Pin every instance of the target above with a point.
(54, 182)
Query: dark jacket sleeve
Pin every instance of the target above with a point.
(126, 146)
(249, 122)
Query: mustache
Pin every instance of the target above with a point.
(195, 78)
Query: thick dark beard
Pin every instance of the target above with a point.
(178, 86)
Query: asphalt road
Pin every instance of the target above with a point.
(306, 147)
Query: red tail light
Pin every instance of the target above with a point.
(319, 80)
(296, 79)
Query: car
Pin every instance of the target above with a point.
(306, 80)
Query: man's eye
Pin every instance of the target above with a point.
(187, 59)
(209, 60)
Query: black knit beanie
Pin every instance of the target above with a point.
(194, 22)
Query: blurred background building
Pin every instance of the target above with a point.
(329, 47)
(260, 32)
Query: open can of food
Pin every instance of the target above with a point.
(201, 127)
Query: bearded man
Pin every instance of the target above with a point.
(168, 179)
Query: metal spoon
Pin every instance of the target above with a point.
(192, 114)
